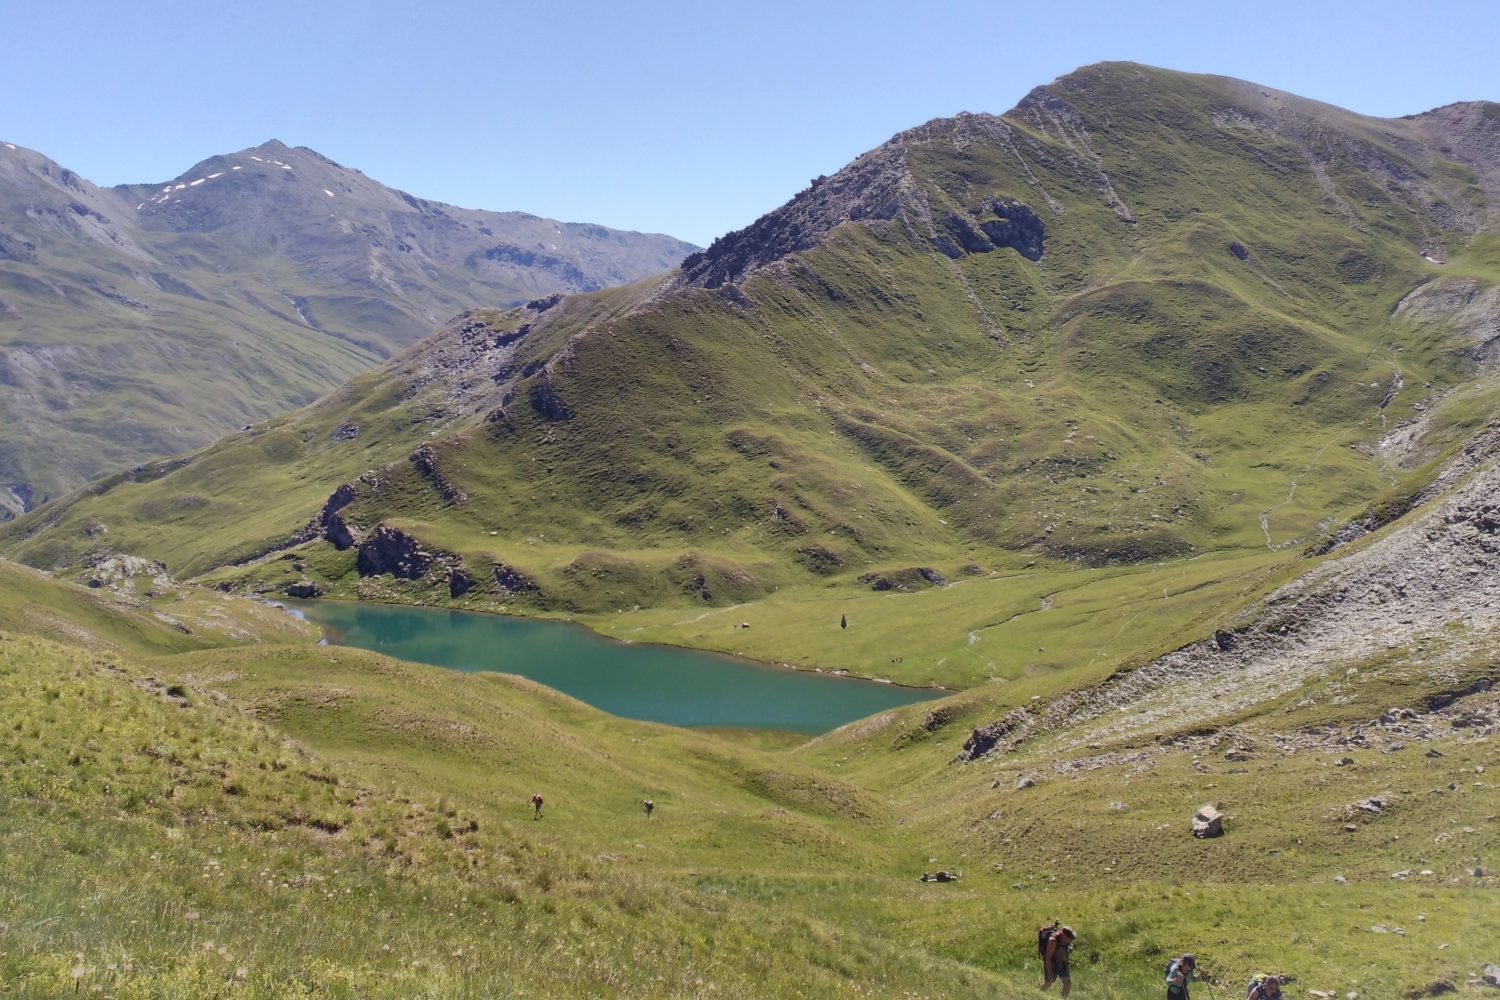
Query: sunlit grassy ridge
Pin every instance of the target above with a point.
(177, 621)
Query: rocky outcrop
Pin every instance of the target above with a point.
(128, 575)
(1000, 223)
(459, 582)
(545, 400)
(387, 551)
(512, 582)
(425, 460)
(475, 332)
(819, 560)
(986, 738)
(15, 499)
(1016, 227)
(874, 187)
(305, 589)
(914, 578)
(335, 529)
(1481, 449)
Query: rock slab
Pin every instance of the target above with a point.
(1208, 822)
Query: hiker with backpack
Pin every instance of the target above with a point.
(1054, 944)
(1179, 972)
(1264, 987)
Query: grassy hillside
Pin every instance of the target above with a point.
(170, 619)
(267, 820)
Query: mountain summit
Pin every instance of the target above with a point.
(145, 319)
(337, 226)
(1074, 122)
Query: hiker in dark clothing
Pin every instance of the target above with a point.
(649, 806)
(1179, 972)
(1264, 987)
(536, 804)
(1054, 943)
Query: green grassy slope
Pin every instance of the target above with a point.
(177, 619)
(169, 846)
(276, 819)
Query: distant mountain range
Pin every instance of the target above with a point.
(147, 319)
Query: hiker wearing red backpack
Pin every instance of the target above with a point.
(1054, 944)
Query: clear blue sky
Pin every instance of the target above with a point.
(691, 118)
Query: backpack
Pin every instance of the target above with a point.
(1043, 935)
(1175, 990)
(1257, 987)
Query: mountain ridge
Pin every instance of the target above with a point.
(789, 228)
(142, 319)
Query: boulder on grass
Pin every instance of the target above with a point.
(1208, 822)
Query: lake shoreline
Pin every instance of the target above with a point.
(294, 606)
(656, 682)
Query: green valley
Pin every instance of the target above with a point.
(1155, 419)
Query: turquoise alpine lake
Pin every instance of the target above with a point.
(680, 687)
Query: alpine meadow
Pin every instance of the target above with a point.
(1152, 428)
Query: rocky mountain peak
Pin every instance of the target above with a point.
(870, 188)
(233, 190)
(1469, 133)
